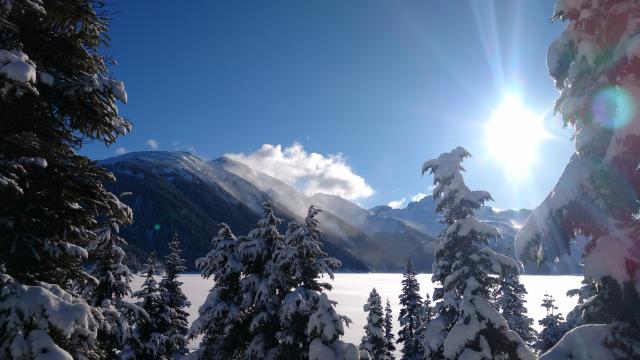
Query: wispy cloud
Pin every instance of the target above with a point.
(396, 204)
(417, 197)
(121, 150)
(309, 172)
(153, 144)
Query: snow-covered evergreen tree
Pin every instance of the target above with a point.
(389, 337)
(150, 339)
(175, 300)
(552, 326)
(373, 340)
(301, 258)
(302, 255)
(595, 63)
(220, 317)
(510, 299)
(428, 309)
(55, 95)
(426, 314)
(268, 300)
(466, 324)
(410, 315)
(263, 285)
(113, 278)
(325, 328)
(586, 291)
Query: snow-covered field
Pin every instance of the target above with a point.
(351, 292)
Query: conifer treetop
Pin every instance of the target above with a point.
(450, 189)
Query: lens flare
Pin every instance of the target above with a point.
(613, 107)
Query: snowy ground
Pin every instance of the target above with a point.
(351, 292)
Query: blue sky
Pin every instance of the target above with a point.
(387, 84)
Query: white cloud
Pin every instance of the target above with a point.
(153, 144)
(309, 172)
(396, 204)
(417, 197)
(121, 150)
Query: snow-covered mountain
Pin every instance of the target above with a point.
(179, 191)
(421, 216)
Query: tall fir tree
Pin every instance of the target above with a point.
(596, 66)
(410, 315)
(373, 340)
(389, 337)
(552, 326)
(113, 278)
(268, 300)
(55, 95)
(150, 339)
(302, 256)
(466, 323)
(510, 299)
(428, 308)
(426, 314)
(220, 317)
(175, 300)
(303, 261)
(263, 285)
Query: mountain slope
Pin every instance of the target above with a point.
(179, 191)
(421, 216)
(392, 240)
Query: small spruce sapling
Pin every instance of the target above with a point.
(373, 340)
(389, 337)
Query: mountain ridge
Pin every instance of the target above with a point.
(421, 216)
(178, 191)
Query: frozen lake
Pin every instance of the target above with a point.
(352, 290)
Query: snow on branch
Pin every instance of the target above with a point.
(34, 312)
(18, 71)
(449, 184)
(500, 264)
(541, 230)
(446, 165)
(574, 343)
(471, 226)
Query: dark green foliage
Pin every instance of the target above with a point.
(175, 300)
(219, 319)
(510, 300)
(374, 341)
(389, 337)
(109, 294)
(52, 197)
(410, 315)
(267, 290)
(150, 341)
(552, 326)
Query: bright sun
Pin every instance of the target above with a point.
(513, 135)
